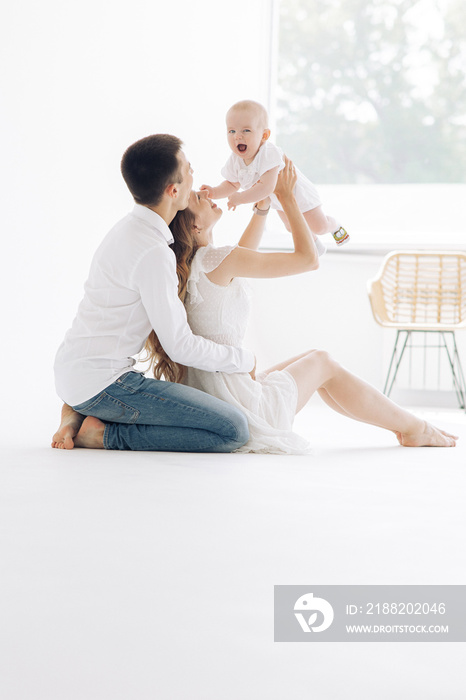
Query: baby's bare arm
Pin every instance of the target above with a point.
(262, 189)
(225, 189)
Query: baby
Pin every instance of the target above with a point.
(254, 166)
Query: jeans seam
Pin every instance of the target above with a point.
(125, 406)
(98, 398)
(104, 395)
(179, 405)
(196, 409)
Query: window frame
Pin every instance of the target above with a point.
(365, 239)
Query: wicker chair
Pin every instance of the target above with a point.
(419, 291)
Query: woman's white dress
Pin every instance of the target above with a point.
(221, 314)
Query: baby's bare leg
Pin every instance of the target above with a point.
(284, 218)
(320, 223)
(319, 245)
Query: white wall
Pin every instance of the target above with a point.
(79, 82)
(330, 309)
(326, 309)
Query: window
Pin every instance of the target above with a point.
(370, 102)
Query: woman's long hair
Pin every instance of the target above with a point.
(184, 247)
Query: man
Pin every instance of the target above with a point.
(133, 288)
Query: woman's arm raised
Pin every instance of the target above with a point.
(244, 262)
(253, 232)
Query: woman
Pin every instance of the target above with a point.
(216, 301)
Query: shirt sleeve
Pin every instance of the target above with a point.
(270, 157)
(206, 260)
(229, 171)
(157, 283)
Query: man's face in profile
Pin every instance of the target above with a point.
(184, 187)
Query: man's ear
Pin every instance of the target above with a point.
(266, 135)
(172, 190)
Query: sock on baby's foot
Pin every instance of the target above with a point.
(341, 236)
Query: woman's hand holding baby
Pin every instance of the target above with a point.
(286, 180)
(263, 204)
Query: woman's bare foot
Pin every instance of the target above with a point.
(429, 437)
(69, 427)
(91, 434)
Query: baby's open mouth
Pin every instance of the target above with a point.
(241, 147)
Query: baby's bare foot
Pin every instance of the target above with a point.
(91, 434)
(69, 426)
(429, 436)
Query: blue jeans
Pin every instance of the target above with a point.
(149, 414)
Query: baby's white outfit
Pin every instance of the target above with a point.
(221, 314)
(268, 157)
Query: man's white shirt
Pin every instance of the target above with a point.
(133, 288)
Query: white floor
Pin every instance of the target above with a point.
(141, 576)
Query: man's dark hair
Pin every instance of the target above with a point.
(150, 165)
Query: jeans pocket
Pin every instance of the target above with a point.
(131, 381)
(108, 409)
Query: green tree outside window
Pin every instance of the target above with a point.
(373, 91)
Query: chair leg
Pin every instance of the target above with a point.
(398, 335)
(458, 376)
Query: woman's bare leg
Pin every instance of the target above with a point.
(317, 370)
(287, 363)
(323, 393)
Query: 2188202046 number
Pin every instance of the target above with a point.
(405, 608)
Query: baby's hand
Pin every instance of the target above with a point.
(233, 201)
(209, 190)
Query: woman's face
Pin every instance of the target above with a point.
(206, 214)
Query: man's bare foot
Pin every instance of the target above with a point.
(430, 436)
(69, 426)
(91, 434)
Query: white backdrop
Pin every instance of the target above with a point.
(79, 82)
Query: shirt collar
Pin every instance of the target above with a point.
(154, 220)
